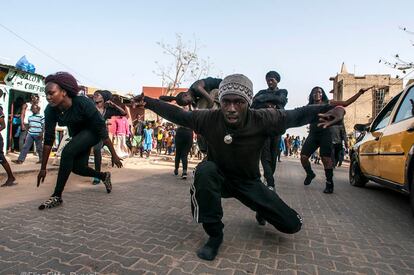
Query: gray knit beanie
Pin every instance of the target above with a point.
(237, 84)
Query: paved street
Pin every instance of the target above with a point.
(145, 227)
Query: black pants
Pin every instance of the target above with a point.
(75, 158)
(278, 154)
(210, 185)
(97, 155)
(183, 143)
(269, 159)
(336, 153)
(15, 145)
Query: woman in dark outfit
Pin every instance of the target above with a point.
(86, 127)
(107, 109)
(322, 138)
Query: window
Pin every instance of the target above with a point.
(406, 108)
(385, 115)
(378, 100)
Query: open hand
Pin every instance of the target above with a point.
(116, 161)
(41, 177)
(331, 117)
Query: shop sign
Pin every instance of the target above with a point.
(24, 81)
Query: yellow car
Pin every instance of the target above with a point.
(384, 151)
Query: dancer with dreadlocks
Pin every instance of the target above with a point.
(235, 135)
(86, 127)
(322, 138)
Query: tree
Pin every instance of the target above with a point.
(186, 64)
(399, 63)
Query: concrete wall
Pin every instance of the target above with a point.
(346, 85)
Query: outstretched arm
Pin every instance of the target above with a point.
(350, 100)
(167, 111)
(326, 115)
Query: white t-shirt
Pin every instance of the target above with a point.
(28, 113)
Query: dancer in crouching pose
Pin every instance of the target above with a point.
(86, 127)
(235, 136)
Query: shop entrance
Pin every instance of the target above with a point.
(18, 100)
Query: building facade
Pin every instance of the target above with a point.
(156, 92)
(345, 85)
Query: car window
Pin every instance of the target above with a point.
(406, 108)
(384, 116)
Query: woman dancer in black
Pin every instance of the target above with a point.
(107, 109)
(86, 127)
(321, 138)
(183, 142)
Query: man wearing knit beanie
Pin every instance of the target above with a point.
(235, 136)
(276, 98)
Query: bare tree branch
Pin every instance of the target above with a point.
(400, 64)
(186, 64)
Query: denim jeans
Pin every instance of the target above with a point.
(28, 144)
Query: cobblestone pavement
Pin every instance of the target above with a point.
(145, 227)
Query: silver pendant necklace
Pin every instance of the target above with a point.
(228, 139)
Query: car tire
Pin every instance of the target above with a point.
(356, 178)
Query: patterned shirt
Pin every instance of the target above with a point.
(36, 124)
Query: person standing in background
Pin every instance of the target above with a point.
(19, 108)
(35, 130)
(275, 98)
(108, 109)
(148, 136)
(122, 131)
(10, 177)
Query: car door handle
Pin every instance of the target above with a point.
(376, 138)
(410, 129)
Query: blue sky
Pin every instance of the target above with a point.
(112, 44)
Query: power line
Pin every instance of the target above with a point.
(48, 55)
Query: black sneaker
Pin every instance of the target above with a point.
(260, 220)
(210, 249)
(184, 176)
(309, 178)
(51, 203)
(176, 172)
(107, 182)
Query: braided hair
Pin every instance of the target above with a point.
(65, 81)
